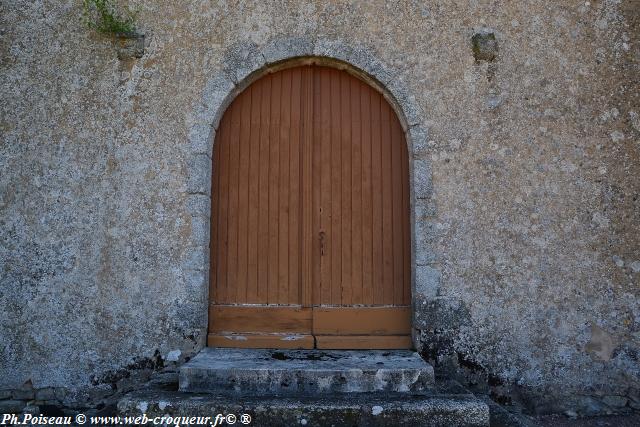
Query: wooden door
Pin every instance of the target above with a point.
(310, 217)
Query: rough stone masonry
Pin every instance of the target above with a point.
(524, 119)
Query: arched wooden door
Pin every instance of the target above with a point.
(310, 217)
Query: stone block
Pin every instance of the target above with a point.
(199, 205)
(164, 381)
(422, 179)
(425, 232)
(406, 100)
(242, 59)
(197, 284)
(419, 136)
(47, 393)
(125, 385)
(300, 372)
(360, 58)
(32, 409)
(193, 313)
(589, 406)
(425, 210)
(201, 136)
(195, 258)
(615, 401)
(12, 406)
(199, 175)
(60, 393)
(374, 410)
(500, 417)
(287, 47)
(439, 313)
(23, 393)
(94, 394)
(200, 231)
(217, 94)
(424, 254)
(427, 281)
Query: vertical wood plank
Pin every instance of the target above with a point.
(346, 184)
(356, 199)
(326, 225)
(309, 250)
(316, 185)
(263, 202)
(223, 217)
(397, 210)
(377, 208)
(283, 189)
(253, 194)
(234, 163)
(406, 224)
(367, 198)
(274, 173)
(243, 195)
(387, 201)
(295, 138)
(336, 189)
(215, 213)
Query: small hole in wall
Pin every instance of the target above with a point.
(484, 46)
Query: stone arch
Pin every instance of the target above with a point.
(245, 63)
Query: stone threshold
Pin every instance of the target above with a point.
(305, 372)
(359, 409)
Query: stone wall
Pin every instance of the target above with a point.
(525, 173)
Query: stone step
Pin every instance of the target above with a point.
(360, 409)
(305, 372)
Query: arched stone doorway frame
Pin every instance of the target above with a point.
(243, 64)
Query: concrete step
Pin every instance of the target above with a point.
(305, 372)
(359, 409)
